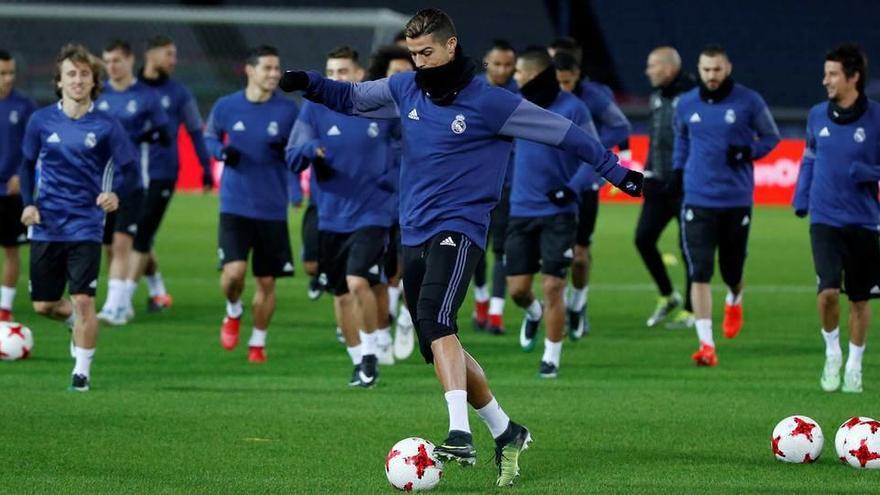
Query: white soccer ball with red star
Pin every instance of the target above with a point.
(862, 448)
(843, 431)
(797, 439)
(411, 466)
(16, 341)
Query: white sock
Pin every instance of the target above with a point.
(456, 402)
(704, 332)
(854, 361)
(7, 295)
(383, 337)
(368, 341)
(832, 342)
(258, 338)
(578, 298)
(130, 287)
(481, 293)
(83, 361)
(355, 354)
(494, 417)
(734, 300)
(552, 352)
(393, 299)
(115, 293)
(496, 306)
(156, 285)
(534, 312)
(234, 309)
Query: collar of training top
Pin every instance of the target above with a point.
(443, 83)
(682, 82)
(543, 89)
(723, 91)
(844, 116)
(152, 82)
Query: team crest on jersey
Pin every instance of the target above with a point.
(859, 135)
(730, 116)
(166, 101)
(13, 117)
(459, 125)
(373, 130)
(103, 106)
(91, 140)
(272, 130)
(656, 102)
(689, 215)
(132, 106)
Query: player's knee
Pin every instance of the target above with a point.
(234, 272)
(45, 308)
(266, 286)
(830, 296)
(83, 304)
(553, 287)
(357, 285)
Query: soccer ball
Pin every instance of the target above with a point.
(411, 466)
(843, 431)
(16, 341)
(862, 447)
(797, 439)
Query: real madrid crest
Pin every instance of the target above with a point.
(166, 101)
(273, 128)
(859, 135)
(91, 140)
(373, 130)
(730, 116)
(132, 106)
(459, 125)
(13, 117)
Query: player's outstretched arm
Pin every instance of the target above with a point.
(366, 99)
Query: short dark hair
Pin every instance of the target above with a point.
(853, 59)
(501, 45)
(430, 21)
(536, 56)
(565, 61)
(344, 51)
(79, 54)
(254, 54)
(120, 45)
(713, 50)
(568, 45)
(380, 60)
(158, 41)
(5, 56)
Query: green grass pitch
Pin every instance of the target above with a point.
(172, 412)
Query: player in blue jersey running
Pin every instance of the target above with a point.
(138, 109)
(79, 150)
(15, 110)
(248, 130)
(721, 127)
(457, 133)
(837, 187)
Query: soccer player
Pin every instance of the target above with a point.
(15, 110)
(351, 158)
(248, 130)
(138, 109)
(662, 192)
(78, 150)
(837, 187)
(613, 129)
(721, 127)
(543, 211)
(500, 63)
(160, 60)
(457, 131)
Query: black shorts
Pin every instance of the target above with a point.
(269, 240)
(435, 282)
(540, 243)
(392, 256)
(847, 258)
(589, 210)
(56, 264)
(12, 231)
(311, 244)
(126, 218)
(155, 204)
(704, 230)
(499, 222)
(360, 253)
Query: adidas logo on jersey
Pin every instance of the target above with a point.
(568, 254)
(413, 114)
(448, 242)
(132, 229)
(288, 267)
(54, 138)
(334, 131)
(824, 132)
(93, 284)
(695, 118)
(875, 290)
(374, 270)
(745, 220)
(239, 126)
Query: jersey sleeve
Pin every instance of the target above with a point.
(614, 127)
(192, 121)
(765, 128)
(801, 200)
(303, 142)
(31, 143)
(681, 148)
(372, 99)
(124, 160)
(214, 132)
(582, 180)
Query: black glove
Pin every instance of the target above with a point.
(231, 156)
(294, 80)
(800, 213)
(322, 170)
(279, 148)
(632, 183)
(739, 155)
(155, 136)
(207, 181)
(561, 196)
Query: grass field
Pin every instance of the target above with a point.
(172, 412)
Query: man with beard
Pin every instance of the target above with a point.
(721, 127)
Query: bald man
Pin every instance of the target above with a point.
(662, 188)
